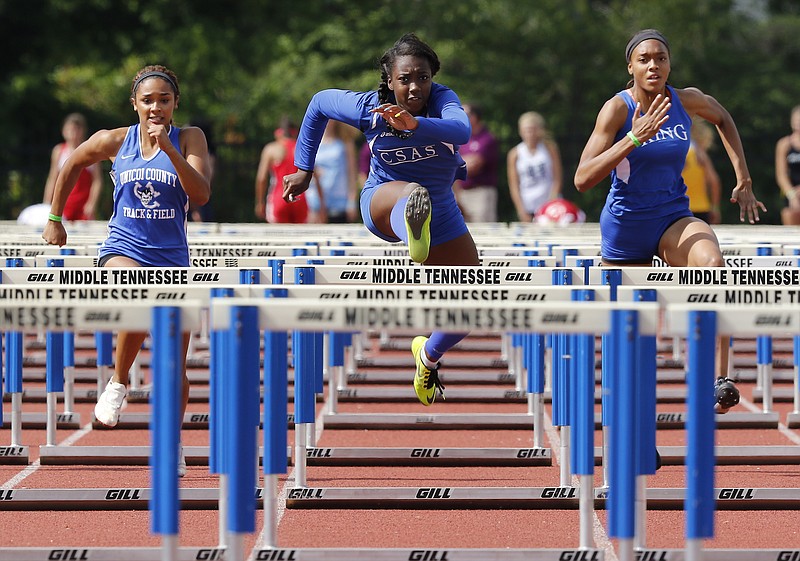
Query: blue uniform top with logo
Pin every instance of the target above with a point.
(429, 156)
(647, 193)
(650, 179)
(150, 206)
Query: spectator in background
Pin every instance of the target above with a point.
(82, 201)
(364, 156)
(787, 171)
(533, 167)
(703, 186)
(205, 213)
(336, 174)
(477, 194)
(277, 161)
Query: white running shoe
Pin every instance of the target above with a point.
(181, 461)
(108, 406)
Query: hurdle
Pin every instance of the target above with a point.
(51, 454)
(374, 275)
(756, 498)
(655, 277)
(738, 296)
(431, 554)
(299, 314)
(167, 323)
(48, 283)
(433, 276)
(701, 324)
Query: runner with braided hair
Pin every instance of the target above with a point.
(414, 127)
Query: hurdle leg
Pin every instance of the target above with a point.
(583, 382)
(700, 464)
(135, 378)
(677, 355)
(69, 387)
(520, 385)
(623, 438)
(358, 346)
(796, 390)
(333, 388)
(240, 425)
(169, 548)
(604, 454)
(13, 382)
(104, 345)
(564, 455)
(694, 550)
(165, 428)
(52, 403)
(513, 362)
(538, 419)
(300, 455)
(270, 538)
(586, 511)
(224, 500)
(640, 534)
(274, 460)
(54, 381)
(764, 367)
(536, 374)
(349, 362)
(311, 435)
(69, 372)
(16, 419)
(796, 361)
(326, 361)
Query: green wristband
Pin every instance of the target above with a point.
(634, 139)
(54, 218)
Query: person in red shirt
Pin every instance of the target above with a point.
(82, 201)
(277, 161)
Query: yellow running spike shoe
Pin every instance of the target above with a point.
(418, 224)
(426, 380)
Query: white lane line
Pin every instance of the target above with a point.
(601, 539)
(280, 506)
(783, 429)
(34, 467)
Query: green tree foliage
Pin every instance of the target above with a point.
(243, 64)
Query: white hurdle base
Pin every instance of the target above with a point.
(195, 421)
(82, 395)
(14, 455)
(39, 420)
(567, 498)
(391, 554)
(121, 455)
(514, 421)
(107, 553)
(783, 395)
(103, 499)
(719, 554)
(442, 421)
(310, 554)
(429, 456)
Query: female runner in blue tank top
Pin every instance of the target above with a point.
(157, 169)
(641, 138)
(413, 127)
